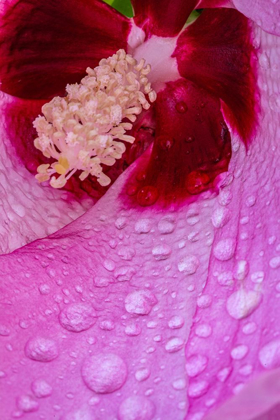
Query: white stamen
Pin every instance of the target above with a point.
(83, 130)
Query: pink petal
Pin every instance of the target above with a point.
(266, 13)
(45, 45)
(215, 52)
(166, 20)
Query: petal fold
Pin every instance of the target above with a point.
(45, 45)
(165, 20)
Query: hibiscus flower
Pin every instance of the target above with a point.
(160, 300)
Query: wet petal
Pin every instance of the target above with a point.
(215, 52)
(166, 20)
(45, 45)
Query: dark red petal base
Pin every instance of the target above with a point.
(46, 44)
(192, 146)
(165, 19)
(216, 53)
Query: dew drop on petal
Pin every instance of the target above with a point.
(27, 404)
(197, 182)
(204, 301)
(174, 344)
(224, 249)
(223, 374)
(140, 302)
(197, 389)
(41, 349)
(77, 317)
(142, 374)
(147, 195)
(242, 303)
(181, 107)
(166, 225)
(275, 262)
(175, 322)
(143, 226)
(269, 355)
(196, 364)
(249, 328)
(161, 252)
(41, 388)
(132, 330)
(179, 384)
(203, 330)
(137, 408)
(104, 373)
(239, 352)
(188, 265)
(220, 217)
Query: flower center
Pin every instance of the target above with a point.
(87, 128)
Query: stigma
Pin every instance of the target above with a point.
(87, 128)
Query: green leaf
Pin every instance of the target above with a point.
(122, 6)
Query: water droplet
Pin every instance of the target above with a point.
(143, 226)
(41, 388)
(196, 364)
(147, 195)
(176, 321)
(104, 373)
(165, 142)
(251, 201)
(241, 270)
(224, 249)
(197, 182)
(269, 355)
(204, 301)
(275, 262)
(238, 388)
(223, 374)
(124, 273)
(137, 408)
(197, 389)
(242, 303)
(249, 328)
(220, 217)
(41, 349)
(140, 302)
(132, 330)
(203, 330)
(166, 225)
(126, 253)
(189, 139)
(142, 374)
(101, 281)
(174, 344)
(179, 384)
(181, 107)
(109, 265)
(246, 370)
(161, 252)
(239, 352)
(120, 223)
(107, 325)
(257, 277)
(225, 278)
(44, 289)
(225, 197)
(264, 59)
(188, 265)
(77, 317)
(27, 404)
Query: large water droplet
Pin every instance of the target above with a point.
(77, 317)
(188, 265)
(204, 301)
(196, 364)
(104, 373)
(137, 408)
(143, 226)
(174, 344)
(224, 249)
(166, 225)
(41, 349)
(140, 302)
(27, 404)
(161, 252)
(41, 388)
(220, 217)
(269, 355)
(242, 303)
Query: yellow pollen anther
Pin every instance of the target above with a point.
(82, 131)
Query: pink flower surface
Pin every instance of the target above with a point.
(115, 310)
